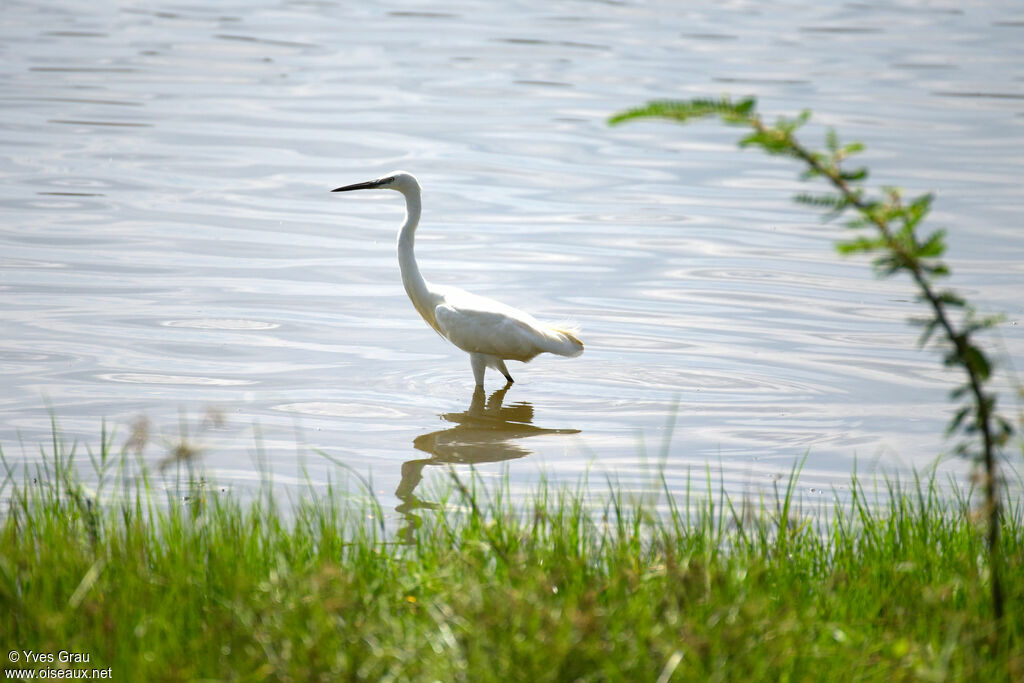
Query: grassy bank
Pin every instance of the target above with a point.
(216, 588)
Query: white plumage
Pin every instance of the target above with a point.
(488, 330)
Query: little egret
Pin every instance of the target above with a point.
(489, 331)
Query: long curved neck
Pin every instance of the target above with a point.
(415, 286)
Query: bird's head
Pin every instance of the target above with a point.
(399, 181)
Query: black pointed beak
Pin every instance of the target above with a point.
(368, 185)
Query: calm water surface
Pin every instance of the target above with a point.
(169, 245)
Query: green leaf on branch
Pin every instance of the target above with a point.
(832, 141)
(934, 246)
(984, 323)
(958, 419)
(860, 245)
(771, 140)
(950, 298)
(856, 175)
(929, 325)
(918, 209)
(835, 203)
(731, 112)
(886, 266)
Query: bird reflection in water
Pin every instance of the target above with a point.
(487, 432)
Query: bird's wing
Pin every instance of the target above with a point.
(478, 325)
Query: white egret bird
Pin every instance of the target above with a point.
(489, 331)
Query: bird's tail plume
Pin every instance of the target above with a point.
(564, 340)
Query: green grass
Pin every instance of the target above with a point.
(553, 589)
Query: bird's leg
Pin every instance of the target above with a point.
(504, 371)
(479, 363)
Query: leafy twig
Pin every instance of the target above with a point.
(891, 226)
